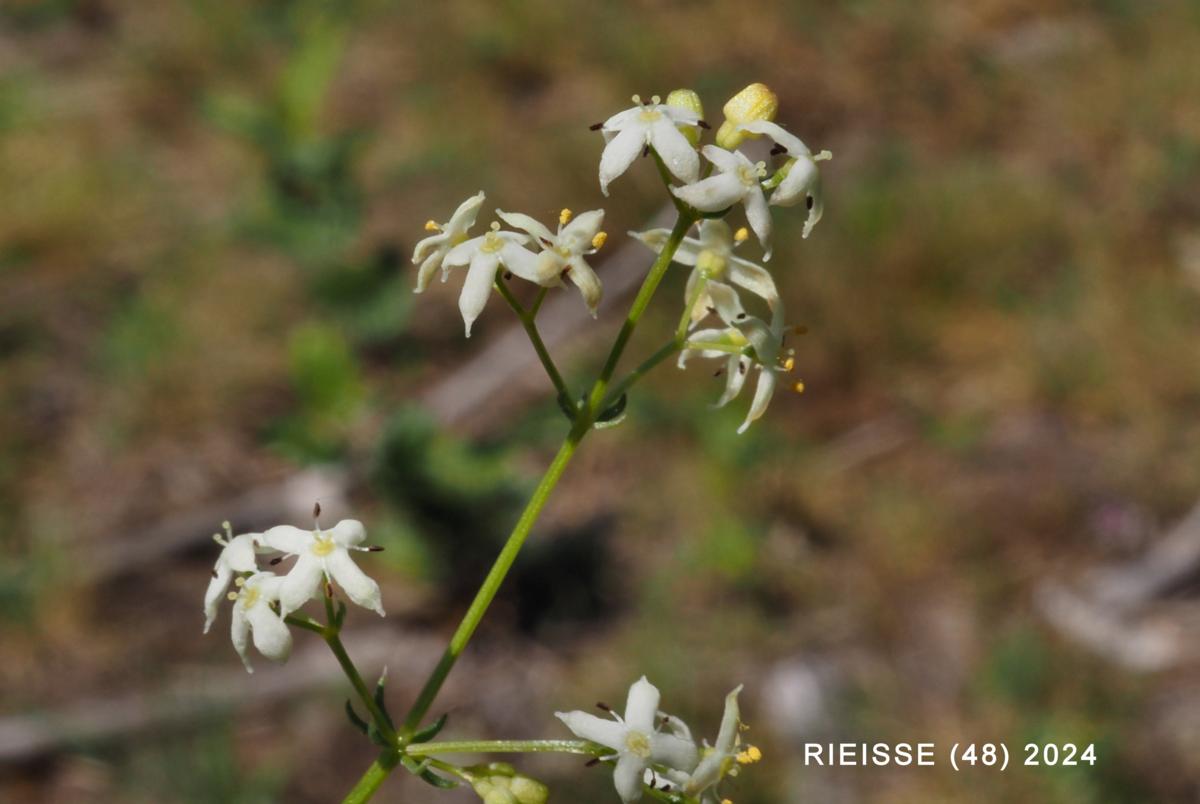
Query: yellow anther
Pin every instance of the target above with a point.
(637, 100)
(798, 387)
(432, 226)
(789, 364)
(600, 239)
(741, 235)
(231, 596)
(749, 756)
(564, 217)
(726, 801)
(656, 99)
(239, 582)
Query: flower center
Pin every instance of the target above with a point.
(711, 264)
(749, 174)
(323, 545)
(650, 115)
(250, 596)
(638, 744)
(491, 243)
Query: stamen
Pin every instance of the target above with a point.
(507, 275)
(495, 227)
(703, 124)
(823, 156)
(219, 539)
(375, 548)
(656, 100)
(595, 126)
(317, 515)
(645, 151)
(591, 763)
(761, 169)
(740, 316)
(231, 596)
(798, 387)
(789, 364)
(564, 217)
(600, 239)
(741, 367)
(718, 372)
(777, 150)
(749, 756)
(275, 561)
(239, 582)
(603, 707)
(808, 202)
(637, 100)
(214, 574)
(432, 226)
(328, 588)
(741, 235)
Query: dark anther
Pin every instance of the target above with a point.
(741, 367)
(711, 309)
(328, 589)
(603, 707)
(646, 151)
(808, 202)
(595, 126)
(740, 316)
(591, 762)
(703, 124)
(507, 275)
(565, 273)
(214, 573)
(777, 150)
(275, 560)
(718, 372)
(316, 510)
(375, 548)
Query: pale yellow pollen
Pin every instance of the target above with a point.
(798, 387)
(749, 756)
(638, 744)
(250, 596)
(599, 240)
(323, 545)
(564, 217)
(656, 99)
(726, 801)
(637, 100)
(492, 241)
(741, 235)
(239, 582)
(789, 364)
(231, 596)
(432, 226)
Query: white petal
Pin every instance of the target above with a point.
(301, 584)
(817, 208)
(428, 245)
(622, 119)
(214, 593)
(619, 154)
(354, 582)
(238, 555)
(523, 262)
(288, 539)
(681, 116)
(587, 726)
(641, 706)
(519, 220)
(271, 635)
(762, 397)
(725, 299)
(794, 187)
(477, 287)
(464, 252)
(712, 194)
(736, 369)
(348, 533)
(727, 736)
(588, 283)
(759, 216)
(677, 153)
(753, 278)
(793, 144)
(239, 632)
(726, 161)
(583, 227)
(628, 777)
(674, 751)
(428, 269)
(464, 217)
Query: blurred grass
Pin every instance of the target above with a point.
(203, 238)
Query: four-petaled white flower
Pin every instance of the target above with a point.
(636, 739)
(653, 124)
(237, 555)
(563, 251)
(737, 180)
(322, 555)
(749, 342)
(254, 616)
(484, 255)
(714, 262)
(431, 252)
(802, 179)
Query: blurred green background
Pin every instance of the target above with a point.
(206, 212)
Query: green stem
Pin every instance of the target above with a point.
(495, 577)
(640, 303)
(527, 321)
(370, 781)
(666, 350)
(364, 693)
(506, 747)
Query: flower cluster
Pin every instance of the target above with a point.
(653, 748)
(263, 600)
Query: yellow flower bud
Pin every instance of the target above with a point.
(755, 102)
(687, 99)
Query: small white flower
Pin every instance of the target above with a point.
(323, 554)
(802, 179)
(653, 124)
(713, 259)
(254, 617)
(237, 555)
(484, 255)
(722, 759)
(431, 252)
(636, 739)
(564, 251)
(737, 180)
(749, 342)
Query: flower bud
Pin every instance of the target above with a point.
(687, 99)
(529, 791)
(755, 102)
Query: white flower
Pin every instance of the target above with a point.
(737, 179)
(747, 343)
(254, 617)
(636, 739)
(713, 259)
(323, 554)
(722, 759)
(653, 124)
(564, 251)
(802, 180)
(485, 254)
(237, 555)
(432, 251)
